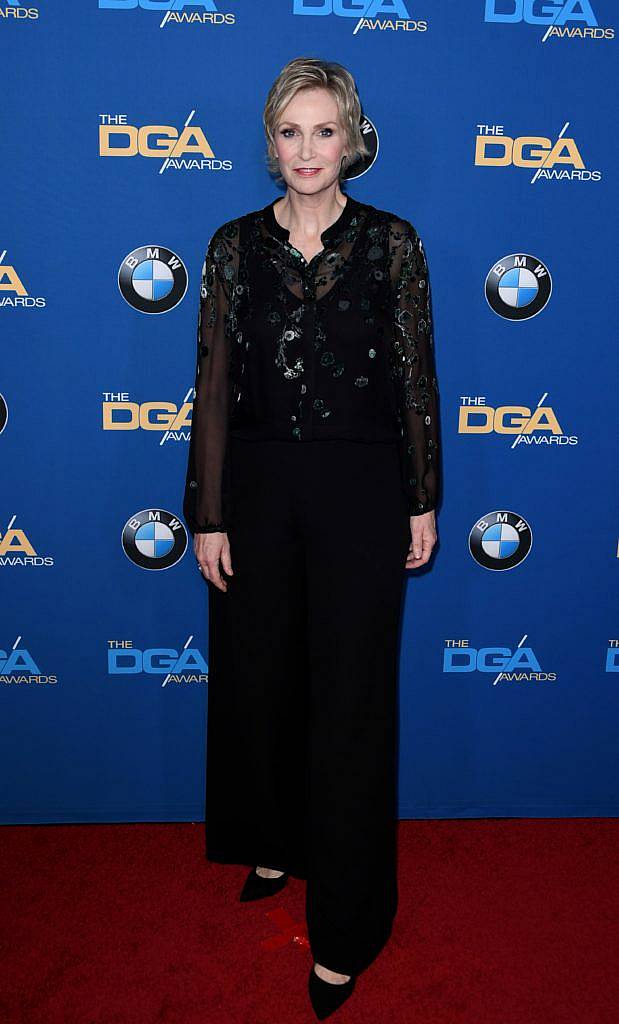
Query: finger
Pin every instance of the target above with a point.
(416, 547)
(420, 549)
(226, 560)
(429, 541)
(411, 561)
(215, 575)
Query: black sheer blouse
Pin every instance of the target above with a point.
(340, 347)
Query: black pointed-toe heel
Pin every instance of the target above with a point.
(326, 996)
(256, 887)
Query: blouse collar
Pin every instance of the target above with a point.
(334, 229)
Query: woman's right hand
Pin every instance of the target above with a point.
(209, 549)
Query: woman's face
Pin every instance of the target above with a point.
(310, 141)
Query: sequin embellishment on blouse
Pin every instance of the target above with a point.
(340, 347)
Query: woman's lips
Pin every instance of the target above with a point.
(307, 172)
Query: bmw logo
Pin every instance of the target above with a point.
(154, 539)
(500, 540)
(4, 413)
(362, 164)
(152, 279)
(518, 286)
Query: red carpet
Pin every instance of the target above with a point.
(501, 921)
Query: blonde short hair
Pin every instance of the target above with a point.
(312, 73)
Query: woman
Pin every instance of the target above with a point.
(312, 480)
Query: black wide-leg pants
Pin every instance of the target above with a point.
(302, 693)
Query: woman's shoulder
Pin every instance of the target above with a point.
(227, 232)
(397, 224)
(235, 231)
(224, 246)
(233, 226)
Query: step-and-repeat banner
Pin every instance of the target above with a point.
(131, 129)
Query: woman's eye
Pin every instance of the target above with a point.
(285, 131)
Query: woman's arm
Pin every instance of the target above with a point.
(414, 367)
(206, 497)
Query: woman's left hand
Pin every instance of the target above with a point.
(423, 539)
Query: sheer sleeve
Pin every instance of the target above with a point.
(414, 368)
(206, 497)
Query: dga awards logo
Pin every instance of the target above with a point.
(184, 149)
(160, 663)
(14, 10)
(369, 15)
(19, 668)
(560, 19)
(154, 539)
(13, 292)
(18, 551)
(507, 664)
(500, 540)
(551, 160)
(525, 426)
(164, 421)
(152, 279)
(518, 286)
(176, 12)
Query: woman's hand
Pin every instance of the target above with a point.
(209, 549)
(423, 534)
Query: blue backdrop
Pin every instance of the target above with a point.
(492, 126)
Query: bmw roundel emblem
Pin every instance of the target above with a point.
(362, 164)
(154, 539)
(518, 286)
(152, 279)
(4, 413)
(500, 540)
